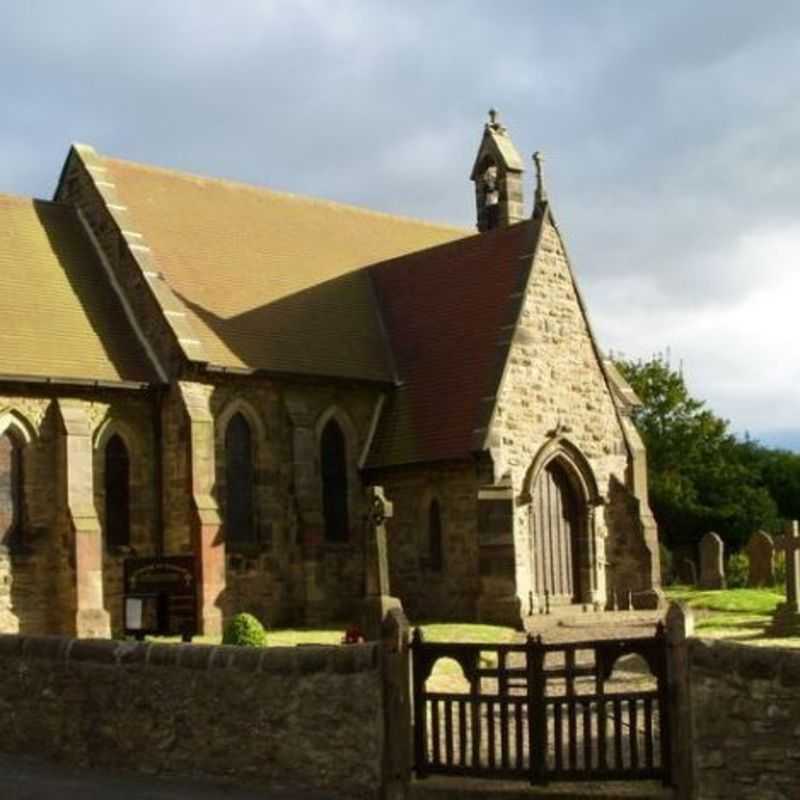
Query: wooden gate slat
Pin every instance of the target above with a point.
(448, 732)
(462, 733)
(490, 724)
(618, 763)
(437, 754)
(633, 732)
(518, 735)
(648, 733)
(587, 735)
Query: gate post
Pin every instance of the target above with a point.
(420, 721)
(679, 627)
(396, 705)
(537, 710)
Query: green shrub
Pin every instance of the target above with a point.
(737, 571)
(667, 575)
(244, 630)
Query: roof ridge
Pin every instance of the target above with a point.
(283, 194)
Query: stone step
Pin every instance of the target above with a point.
(441, 787)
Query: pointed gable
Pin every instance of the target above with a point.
(445, 310)
(554, 382)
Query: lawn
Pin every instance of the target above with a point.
(739, 614)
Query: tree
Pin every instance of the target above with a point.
(701, 477)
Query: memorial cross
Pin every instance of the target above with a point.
(790, 544)
(379, 510)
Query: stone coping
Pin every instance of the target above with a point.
(108, 652)
(749, 663)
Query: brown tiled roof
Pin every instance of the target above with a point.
(270, 280)
(61, 318)
(445, 310)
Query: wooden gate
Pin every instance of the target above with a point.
(543, 712)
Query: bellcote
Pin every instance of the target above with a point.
(497, 175)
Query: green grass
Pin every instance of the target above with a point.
(463, 632)
(742, 615)
(751, 601)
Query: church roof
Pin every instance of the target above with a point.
(61, 318)
(448, 312)
(269, 280)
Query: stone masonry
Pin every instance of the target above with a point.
(745, 714)
(310, 716)
(554, 388)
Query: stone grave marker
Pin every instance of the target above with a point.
(712, 569)
(686, 572)
(760, 551)
(786, 621)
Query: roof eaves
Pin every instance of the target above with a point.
(59, 380)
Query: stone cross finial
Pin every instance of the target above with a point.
(541, 192)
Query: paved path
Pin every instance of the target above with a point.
(24, 778)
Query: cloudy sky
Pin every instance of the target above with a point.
(671, 132)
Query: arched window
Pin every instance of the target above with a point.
(435, 536)
(11, 490)
(239, 476)
(333, 457)
(118, 493)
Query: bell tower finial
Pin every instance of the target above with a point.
(497, 174)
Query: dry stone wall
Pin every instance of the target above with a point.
(309, 716)
(745, 706)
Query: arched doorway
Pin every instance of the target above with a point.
(557, 537)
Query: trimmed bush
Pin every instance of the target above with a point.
(244, 630)
(737, 571)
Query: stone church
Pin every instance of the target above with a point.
(197, 366)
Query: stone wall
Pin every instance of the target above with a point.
(426, 593)
(310, 715)
(745, 709)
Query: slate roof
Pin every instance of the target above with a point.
(270, 280)
(448, 311)
(60, 316)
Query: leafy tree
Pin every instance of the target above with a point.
(701, 477)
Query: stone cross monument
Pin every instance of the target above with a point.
(377, 600)
(786, 621)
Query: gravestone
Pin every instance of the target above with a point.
(712, 570)
(786, 621)
(686, 572)
(761, 559)
(377, 600)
